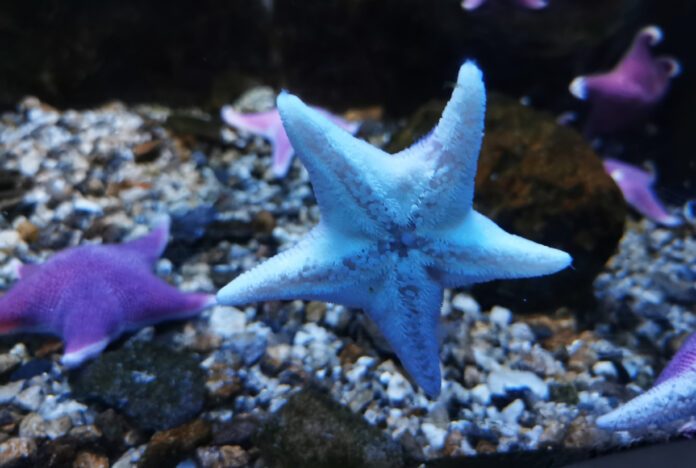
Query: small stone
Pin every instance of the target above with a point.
(9, 239)
(9, 391)
(453, 442)
(398, 389)
(33, 426)
(350, 353)
(264, 222)
(84, 435)
(16, 450)
(564, 393)
(434, 435)
(226, 456)
(30, 399)
(472, 376)
(581, 433)
(86, 459)
(28, 232)
(166, 448)
(227, 321)
(359, 400)
(481, 394)
(605, 368)
(237, 431)
(513, 412)
(315, 311)
(502, 381)
(466, 304)
(500, 316)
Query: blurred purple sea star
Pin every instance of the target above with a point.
(89, 295)
(672, 397)
(533, 4)
(624, 96)
(268, 125)
(396, 229)
(637, 188)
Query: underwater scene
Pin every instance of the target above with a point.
(347, 233)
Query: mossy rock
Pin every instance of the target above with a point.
(152, 384)
(541, 181)
(313, 430)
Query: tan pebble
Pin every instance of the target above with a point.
(90, 460)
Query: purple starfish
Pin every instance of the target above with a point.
(91, 294)
(636, 186)
(533, 4)
(672, 397)
(268, 125)
(624, 96)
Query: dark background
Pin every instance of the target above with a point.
(344, 53)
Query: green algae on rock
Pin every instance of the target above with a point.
(152, 384)
(313, 430)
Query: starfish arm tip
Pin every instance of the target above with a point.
(536, 4)
(673, 66)
(471, 4)
(578, 88)
(73, 358)
(653, 32)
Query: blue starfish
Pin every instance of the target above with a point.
(91, 294)
(395, 229)
(672, 397)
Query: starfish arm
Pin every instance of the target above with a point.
(472, 4)
(323, 266)
(406, 309)
(639, 55)
(148, 248)
(87, 317)
(668, 401)
(282, 154)
(644, 200)
(345, 171)
(147, 300)
(260, 123)
(27, 269)
(682, 362)
(535, 4)
(449, 154)
(478, 250)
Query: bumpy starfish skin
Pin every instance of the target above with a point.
(268, 125)
(673, 396)
(91, 294)
(533, 4)
(395, 229)
(636, 186)
(625, 95)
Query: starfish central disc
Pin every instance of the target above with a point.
(396, 229)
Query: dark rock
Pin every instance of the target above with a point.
(189, 223)
(564, 392)
(543, 182)
(167, 448)
(32, 368)
(113, 427)
(157, 387)
(313, 430)
(238, 431)
(13, 185)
